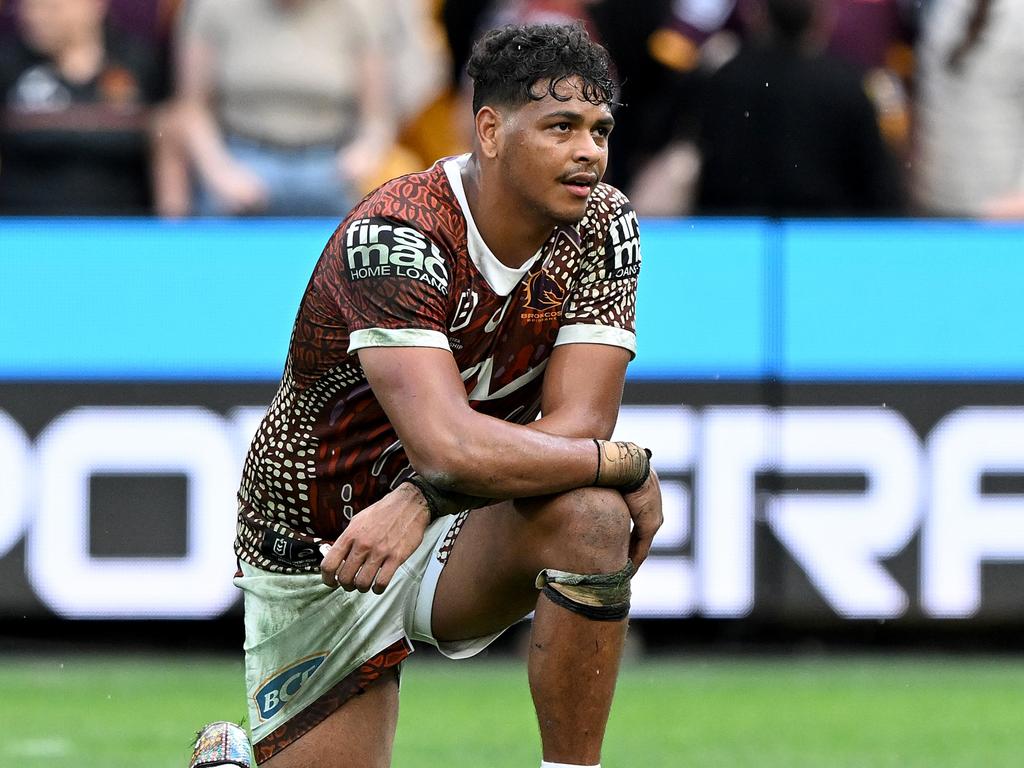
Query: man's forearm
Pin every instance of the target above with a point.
(571, 424)
(621, 465)
(459, 449)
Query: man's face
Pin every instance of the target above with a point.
(552, 153)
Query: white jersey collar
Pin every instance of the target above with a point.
(500, 278)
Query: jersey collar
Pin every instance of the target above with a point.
(501, 279)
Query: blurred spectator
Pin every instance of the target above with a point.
(874, 33)
(788, 129)
(651, 90)
(461, 20)
(664, 50)
(970, 109)
(697, 37)
(286, 105)
(692, 31)
(149, 19)
(418, 58)
(876, 36)
(421, 92)
(543, 12)
(74, 131)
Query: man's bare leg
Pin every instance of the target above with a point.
(573, 665)
(488, 583)
(360, 733)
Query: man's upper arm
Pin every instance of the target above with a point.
(421, 391)
(585, 375)
(582, 390)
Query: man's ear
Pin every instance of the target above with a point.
(489, 124)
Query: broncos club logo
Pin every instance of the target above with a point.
(544, 297)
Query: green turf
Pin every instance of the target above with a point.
(140, 712)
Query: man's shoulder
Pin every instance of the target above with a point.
(409, 227)
(606, 196)
(606, 206)
(423, 200)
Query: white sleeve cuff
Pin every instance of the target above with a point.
(397, 337)
(597, 334)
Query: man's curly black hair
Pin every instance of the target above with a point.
(513, 65)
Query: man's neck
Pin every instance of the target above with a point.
(513, 237)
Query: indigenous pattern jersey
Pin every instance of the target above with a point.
(408, 268)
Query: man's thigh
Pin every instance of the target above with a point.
(488, 582)
(484, 587)
(309, 650)
(360, 733)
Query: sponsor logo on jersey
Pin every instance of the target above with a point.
(279, 689)
(544, 297)
(380, 248)
(622, 246)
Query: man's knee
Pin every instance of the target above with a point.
(585, 530)
(586, 569)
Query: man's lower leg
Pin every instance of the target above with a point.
(573, 666)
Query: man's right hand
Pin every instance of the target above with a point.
(377, 540)
(645, 509)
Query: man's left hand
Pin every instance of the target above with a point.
(645, 509)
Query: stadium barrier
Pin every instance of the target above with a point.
(835, 409)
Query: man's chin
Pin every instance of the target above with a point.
(569, 216)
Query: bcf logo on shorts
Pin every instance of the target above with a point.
(276, 691)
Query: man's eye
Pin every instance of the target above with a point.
(562, 127)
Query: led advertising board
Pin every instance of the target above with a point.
(835, 409)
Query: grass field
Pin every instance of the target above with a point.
(140, 712)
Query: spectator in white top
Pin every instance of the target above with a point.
(970, 110)
(285, 104)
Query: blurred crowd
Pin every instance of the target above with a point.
(298, 107)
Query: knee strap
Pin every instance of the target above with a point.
(598, 596)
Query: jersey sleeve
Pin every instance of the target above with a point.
(393, 285)
(601, 305)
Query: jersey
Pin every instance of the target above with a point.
(409, 268)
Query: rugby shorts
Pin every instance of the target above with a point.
(309, 648)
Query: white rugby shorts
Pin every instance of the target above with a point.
(309, 648)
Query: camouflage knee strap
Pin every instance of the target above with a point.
(598, 596)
